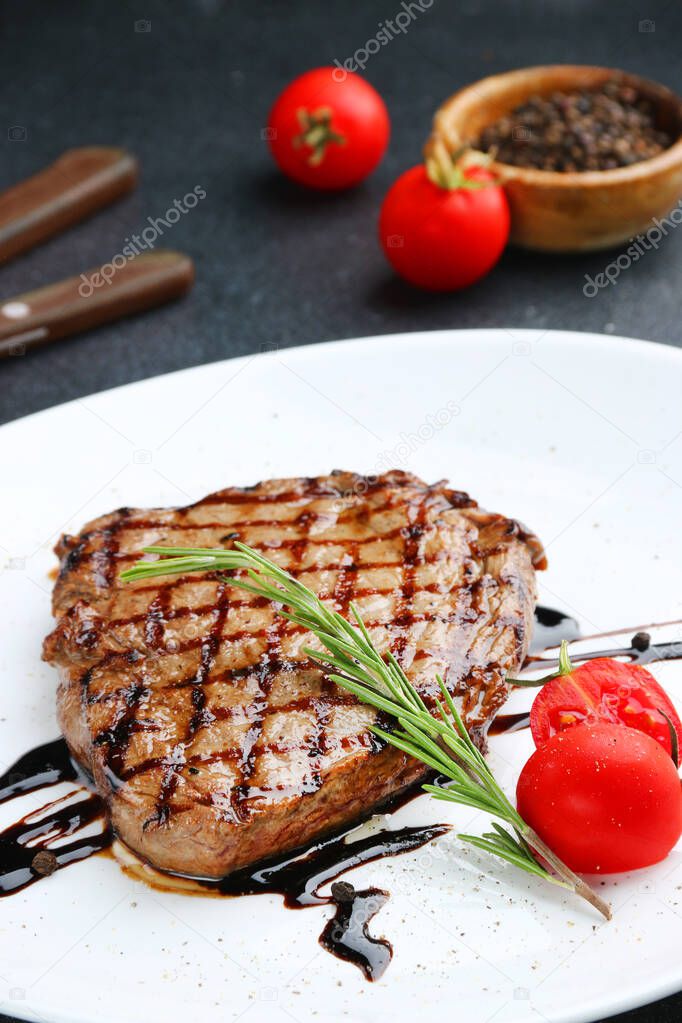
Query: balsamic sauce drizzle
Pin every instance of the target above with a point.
(640, 651)
(502, 724)
(347, 935)
(551, 627)
(26, 854)
(299, 880)
(23, 864)
(42, 766)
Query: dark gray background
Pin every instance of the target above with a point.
(277, 265)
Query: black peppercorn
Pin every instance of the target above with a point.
(44, 863)
(582, 130)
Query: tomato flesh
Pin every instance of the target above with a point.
(609, 691)
(604, 798)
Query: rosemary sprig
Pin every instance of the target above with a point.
(439, 740)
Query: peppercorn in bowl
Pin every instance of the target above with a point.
(589, 156)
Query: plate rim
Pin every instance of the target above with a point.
(657, 349)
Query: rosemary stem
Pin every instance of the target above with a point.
(579, 886)
(530, 836)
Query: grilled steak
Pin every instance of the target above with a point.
(215, 742)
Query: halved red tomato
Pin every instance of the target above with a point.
(605, 690)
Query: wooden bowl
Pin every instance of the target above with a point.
(569, 212)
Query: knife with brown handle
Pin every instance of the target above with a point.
(80, 182)
(77, 303)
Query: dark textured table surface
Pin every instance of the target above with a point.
(187, 87)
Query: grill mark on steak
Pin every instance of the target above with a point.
(404, 620)
(240, 792)
(104, 570)
(412, 535)
(211, 744)
(183, 580)
(252, 746)
(200, 717)
(256, 602)
(342, 597)
(117, 737)
(155, 619)
(272, 656)
(345, 581)
(456, 499)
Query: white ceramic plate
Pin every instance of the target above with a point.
(577, 435)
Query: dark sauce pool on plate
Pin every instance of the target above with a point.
(551, 627)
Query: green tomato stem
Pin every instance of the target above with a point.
(565, 666)
(446, 170)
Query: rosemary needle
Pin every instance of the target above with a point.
(350, 659)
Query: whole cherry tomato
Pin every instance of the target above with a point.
(605, 690)
(444, 236)
(328, 129)
(604, 798)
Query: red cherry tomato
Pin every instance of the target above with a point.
(328, 129)
(605, 690)
(442, 238)
(604, 798)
